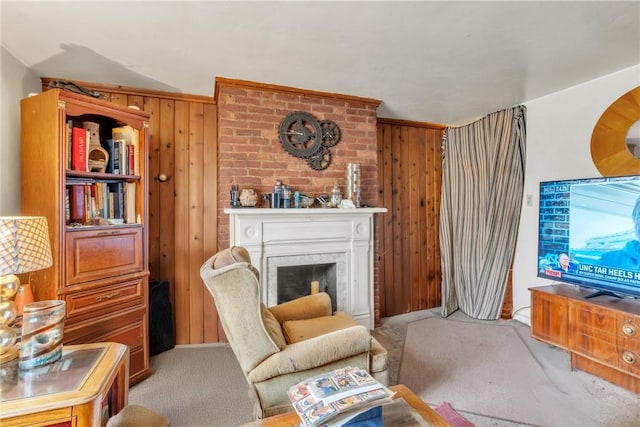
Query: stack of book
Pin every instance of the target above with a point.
(122, 149)
(87, 199)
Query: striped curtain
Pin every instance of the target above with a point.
(482, 185)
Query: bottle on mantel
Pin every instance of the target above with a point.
(336, 196)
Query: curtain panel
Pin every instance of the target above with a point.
(482, 186)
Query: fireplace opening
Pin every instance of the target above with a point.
(296, 281)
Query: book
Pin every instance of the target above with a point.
(107, 144)
(130, 202)
(69, 143)
(79, 149)
(131, 163)
(77, 204)
(116, 189)
(117, 162)
(130, 137)
(332, 398)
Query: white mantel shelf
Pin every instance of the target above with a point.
(303, 211)
(276, 237)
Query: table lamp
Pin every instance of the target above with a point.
(24, 247)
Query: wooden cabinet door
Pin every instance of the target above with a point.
(550, 319)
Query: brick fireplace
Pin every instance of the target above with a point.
(251, 156)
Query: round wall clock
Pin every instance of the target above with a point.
(330, 133)
(300, 134)
(320, 160)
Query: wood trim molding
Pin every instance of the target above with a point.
(102, 87)
(400, 122)
(246, 84)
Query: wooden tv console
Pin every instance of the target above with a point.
(602, 335)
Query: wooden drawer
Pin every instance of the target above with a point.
(628, 336)
(133, 336)
(94, 254)
(61, 417)
(592, 333)
(95, 302)
(129, 328)
(97, 328)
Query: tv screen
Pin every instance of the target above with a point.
(589, 232)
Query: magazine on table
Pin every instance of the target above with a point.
(332, 398)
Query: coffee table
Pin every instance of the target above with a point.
(432, 418)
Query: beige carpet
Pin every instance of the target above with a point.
(202, 385)
(486, 368)
(196, 386)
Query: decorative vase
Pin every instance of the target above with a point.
(42, 329)
(23, 297)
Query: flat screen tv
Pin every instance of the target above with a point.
(589, 232)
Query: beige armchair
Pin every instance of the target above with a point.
(280, 346)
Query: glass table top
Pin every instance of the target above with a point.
(67, 374)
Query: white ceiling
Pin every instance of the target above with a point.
(442, 62)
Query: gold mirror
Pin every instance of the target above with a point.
(615, 141)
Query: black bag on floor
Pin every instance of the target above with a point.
(161, 336)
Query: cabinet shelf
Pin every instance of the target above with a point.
(107, 228)
(100, 176)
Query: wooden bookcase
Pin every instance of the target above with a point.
(602, 335)
(100, 269)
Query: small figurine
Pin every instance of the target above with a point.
(248, 197)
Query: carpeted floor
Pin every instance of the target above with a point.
(196, 386)
(496, 369)
(203, 385)
(476, 367)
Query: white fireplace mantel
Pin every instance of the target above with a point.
(281, 234)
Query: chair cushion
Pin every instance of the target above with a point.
(300, 330)
(273, 327)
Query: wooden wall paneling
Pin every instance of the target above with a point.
(395, 289)
(409, 173)
(196, 249)
(433, 172)
(422, 264)
(182, 241)
(431, 210)
(404, 144)
(382, 220)
(166, 209)
(118, 98)
(416, 167)
(210, 213)
(135, 101)
(152, 106)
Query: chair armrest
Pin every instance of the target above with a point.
(313, 353)
(307, 307)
